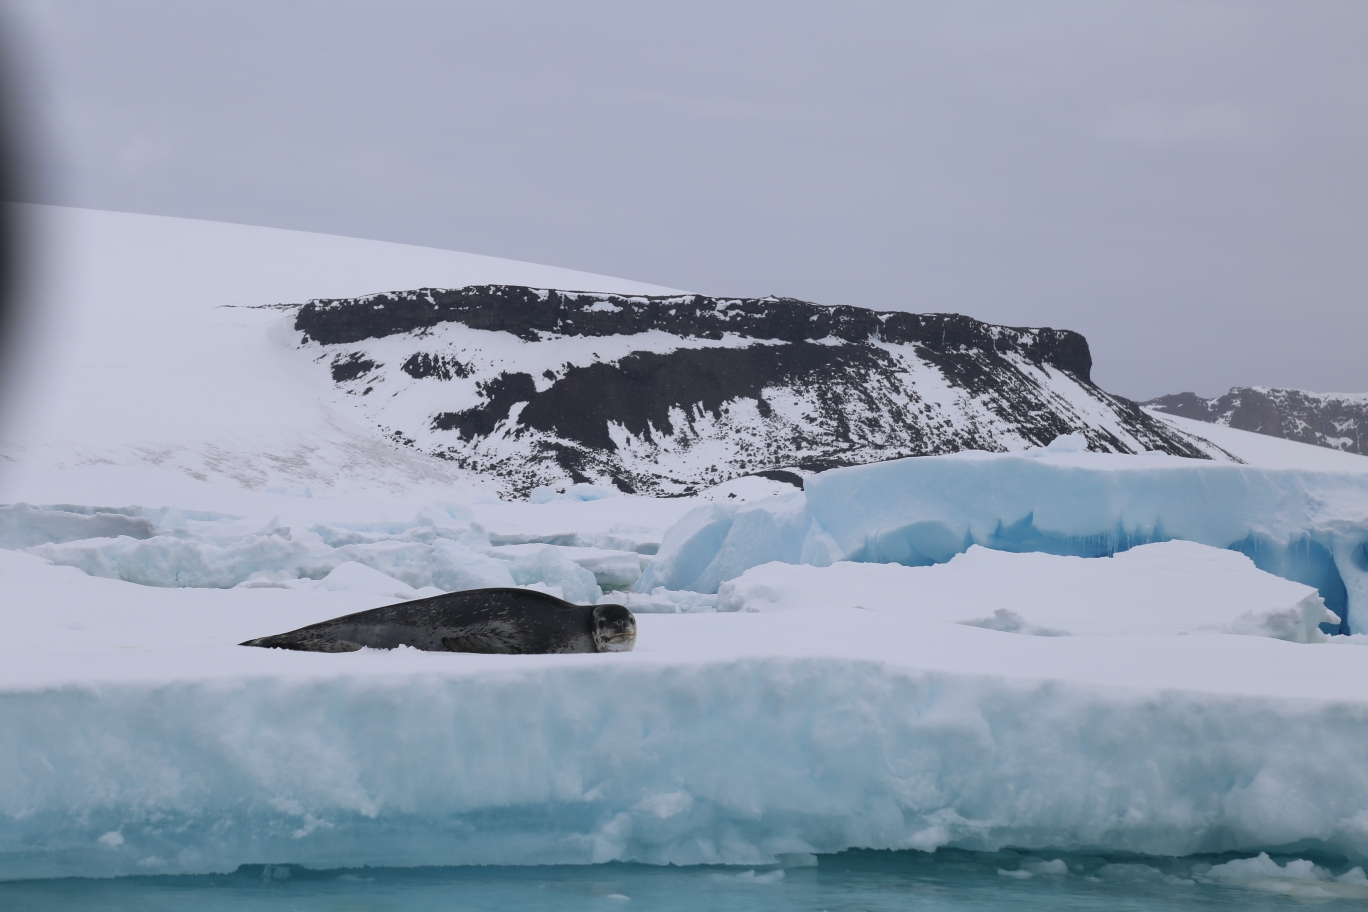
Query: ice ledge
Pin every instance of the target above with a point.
(732, 762)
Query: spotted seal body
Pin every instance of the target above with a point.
(501, 621)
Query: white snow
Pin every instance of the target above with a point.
(1165, 589)
(149, 347)
(178, 483)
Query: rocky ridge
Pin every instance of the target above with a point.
(1335, 420)
(664, 395)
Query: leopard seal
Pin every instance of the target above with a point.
(495, 621)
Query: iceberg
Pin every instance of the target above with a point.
(1307, 526)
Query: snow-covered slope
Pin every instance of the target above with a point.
(675, 393)
(150, 345)
(1266, 451)
(1335, 420)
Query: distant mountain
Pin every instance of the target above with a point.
(1335, 420)
(665, 395)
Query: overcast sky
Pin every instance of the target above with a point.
(1185, 183)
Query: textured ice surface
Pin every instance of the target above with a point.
(1164, 589)
(437, 550)
(1307, 526)
(139, 739)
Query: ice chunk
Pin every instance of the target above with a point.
(549, 567)
(437, 550)
(611, 569)
(456, 567)
(1008, 621)
(1311, 527)
(1068, 443)
(1140, 873)
(23, 526)
(1165, 589)
(1299, 877)
(719, 541)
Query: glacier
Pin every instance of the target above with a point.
(1307, 526)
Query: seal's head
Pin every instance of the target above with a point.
(614, 629)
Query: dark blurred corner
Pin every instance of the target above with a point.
(15, 187)
(9, 193)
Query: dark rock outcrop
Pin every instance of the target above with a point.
(1335, 420)
(668, 394)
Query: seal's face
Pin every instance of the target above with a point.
(614, 629)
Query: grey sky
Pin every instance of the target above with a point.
(1185, 183)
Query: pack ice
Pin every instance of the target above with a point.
(1054, 649)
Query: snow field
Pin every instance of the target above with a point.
(155, 342)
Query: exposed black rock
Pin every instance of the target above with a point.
(501, 394)
(1334, 420)
(529, 312)
(422, 364)
(350, 367)
(768, 386)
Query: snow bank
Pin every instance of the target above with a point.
(1166, 589)
(139, 739)
(1307, 526)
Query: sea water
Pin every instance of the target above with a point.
(873, 881)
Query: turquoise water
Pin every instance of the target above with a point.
(872, 881)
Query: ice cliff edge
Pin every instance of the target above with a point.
(1311, 527)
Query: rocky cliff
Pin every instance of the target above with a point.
(1335, 420)
(665, 395)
